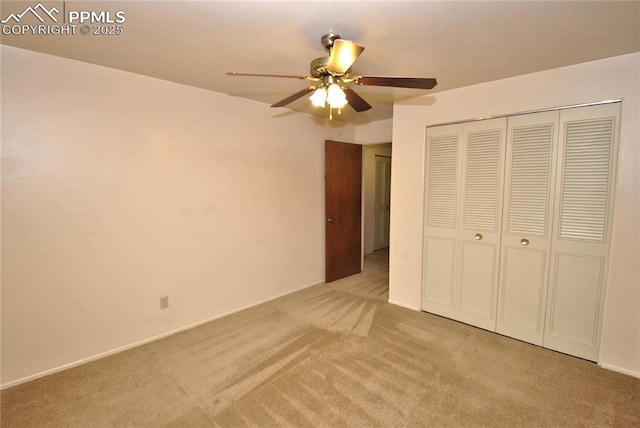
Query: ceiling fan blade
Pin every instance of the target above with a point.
(294, 97)
(356, 101)
(343, 54)
(288, 76)
(397, 82)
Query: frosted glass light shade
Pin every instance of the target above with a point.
(336, 97)
(318, 97)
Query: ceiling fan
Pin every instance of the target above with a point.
(331, 75)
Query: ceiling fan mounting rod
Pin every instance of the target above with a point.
(328, 39)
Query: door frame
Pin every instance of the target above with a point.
(385, 143)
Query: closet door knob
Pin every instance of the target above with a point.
(478, 236)
(524, 242)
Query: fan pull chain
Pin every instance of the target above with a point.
(331, 112)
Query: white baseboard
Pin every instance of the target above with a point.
(145, 341)
(403, 305)
(619, 369)
(213, 318)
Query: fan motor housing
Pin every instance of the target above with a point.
(318, 67)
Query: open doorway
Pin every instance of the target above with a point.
(376, 208)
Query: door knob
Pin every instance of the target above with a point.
(524, 242)
(329, 220)
(478, 236)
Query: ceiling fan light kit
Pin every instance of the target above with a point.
(332, 74)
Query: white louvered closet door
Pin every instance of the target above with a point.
(440, 219)
(526, 238)
(582, 225)
(482, 161)
(525, 209)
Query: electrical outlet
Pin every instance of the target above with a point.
(164, 302)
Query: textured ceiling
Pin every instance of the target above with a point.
(460, 43)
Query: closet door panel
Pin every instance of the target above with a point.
(573, 307)
(439, 262)
(481, 213)
(478, 284)
(582, 224)
(526, 237)
(441, 219)
(522, 304)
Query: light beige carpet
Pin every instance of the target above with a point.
(333, 355)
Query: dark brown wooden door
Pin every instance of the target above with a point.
(343, 209)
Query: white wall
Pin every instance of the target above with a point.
(379, 132)
(614, 78)
(118, 189)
